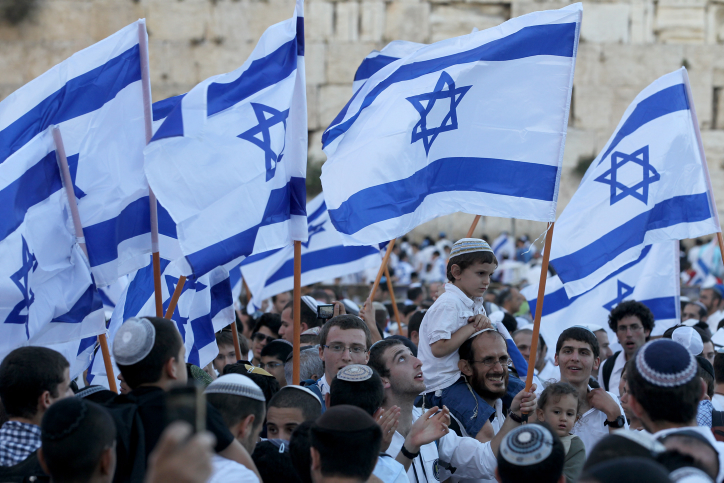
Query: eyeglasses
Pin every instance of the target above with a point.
(258, 336)
(339, 348)
(632, 328)
(491, 361)
(270, 365)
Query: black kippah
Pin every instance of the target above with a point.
(344, 419)
(63, 418)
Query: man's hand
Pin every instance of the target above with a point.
(524, 402)
(428, 428)
(368, 315)
(480, 322)
(178, 459)
(598, 398)
(339, 309)
(388, 421)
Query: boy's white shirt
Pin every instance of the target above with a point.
(448, 314)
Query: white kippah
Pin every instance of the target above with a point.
(527, 445)
(469, 245)
(134, 341)
(354, 373)
(236, 385)
(310, 302)
(689, 338)
(689, 474)
(304, 389)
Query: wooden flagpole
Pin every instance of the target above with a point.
(385, 259)
(297, 311)
(472, 227)
(77, 225)
(539, 308)
(174, 298)
(392, 297)
(721, 245)
(235, 336)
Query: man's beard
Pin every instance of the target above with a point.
(477, 382)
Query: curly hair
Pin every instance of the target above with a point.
(631, 308)
(557, 390)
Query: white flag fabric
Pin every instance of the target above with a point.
(649, 184)
(708, 264)
(378, 59)
(652, 279)
(229, 160)
(96, 99)
(324, 257)
(424, 137)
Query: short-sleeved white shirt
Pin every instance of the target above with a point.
(226, 471)
(448, 314)
(590, 427)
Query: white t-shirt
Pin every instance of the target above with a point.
(449, 313)
(228, 471)
(590, 427)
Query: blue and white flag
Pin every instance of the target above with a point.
(378, 59)
(503, 246)
(708, 265)
(324, 257)
(424, 136)
(229, 160)
(649, 184)
(96, 99)
(652, 279)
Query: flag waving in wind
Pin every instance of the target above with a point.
(229, 160)
(475, 124)
(650, 184)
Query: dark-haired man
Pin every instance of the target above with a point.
(307, 318)
(280, 301)
(32, 379)
(577, 355)
(273, 356)
(227, 351)
(712, 298)
(289, 408)
(632, 322)
(343, 340)
(544, 369)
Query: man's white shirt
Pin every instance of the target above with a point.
(714, 319)
(590, 427)
(615, 378)
(227, 471)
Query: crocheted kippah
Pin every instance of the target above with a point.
(354, 373)
(236, 385)
(527, 445)
(469, 245)
(304, 389)
(133, 341)
(665, 363)
(64, 418)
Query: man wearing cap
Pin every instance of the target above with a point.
(664, 392)
(712, 299)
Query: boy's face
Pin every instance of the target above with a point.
(576, 361)
(281, 422)
(475, 279)
(227, 355)
(560, 414)
(631, 334)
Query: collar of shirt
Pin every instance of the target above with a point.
(469, 303)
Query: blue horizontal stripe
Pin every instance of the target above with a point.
(485, 175)
(33, 186)
(80, 95)
(666, 101)
(262, 73)
(283, 203)
(662, 307)
(141, 289)
(557, 40)
(163, 108)
(671, 212)
(327, 257)
(87, 303)
(371, 65)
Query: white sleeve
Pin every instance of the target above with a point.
(440, 322)
(470, 457)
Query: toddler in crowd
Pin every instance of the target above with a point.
(558, 407)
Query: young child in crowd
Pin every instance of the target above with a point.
(558, 406)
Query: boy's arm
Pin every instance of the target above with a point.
(445, 347)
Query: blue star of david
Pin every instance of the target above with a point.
(620, 191)
(263, 128)
(311, 231)
(171, 283)
(623, 292)
(424, 103)
(21, 311)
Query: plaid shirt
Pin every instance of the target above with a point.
(17, 441)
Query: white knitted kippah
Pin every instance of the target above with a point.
(133, 341)
(527, 445)
(236, 385)
(469, 245)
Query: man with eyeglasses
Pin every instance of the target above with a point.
(273, 356)
(632, 322)
(343, 340)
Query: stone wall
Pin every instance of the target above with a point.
(624, 46)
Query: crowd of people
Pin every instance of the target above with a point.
(439, 395)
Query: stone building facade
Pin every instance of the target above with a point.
(624, 46)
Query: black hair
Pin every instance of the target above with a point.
(413, 293)
(309, 405)
(268, 384)
(719, 367)
(350, 454)
(279, 349)
(273, 461)
(555, 391)
(503, 296)
(706, 373)
(547, 471)
(25, 374)
(235, 408)
(271, 321)
(631, 308)
(466, 351)
(541, 341)
(581, 335)
(702, 310)
(306, 315)
(74, 435)
(414, 323)
(624, 469)
(345, 322)
(299, 445)
(509, 322)
(467, 259)
(377, 352)
(367, 395)
(406, 309)
(166, 345)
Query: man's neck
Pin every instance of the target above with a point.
(656, 426)
(35, 420)
(405, 404)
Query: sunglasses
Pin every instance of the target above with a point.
(258, 336)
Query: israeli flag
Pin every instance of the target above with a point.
(229, 160)
(78, 353)
(424, 137)
(503, 246)
(649, 184)
(652, 279)
(378, 59)
(324, 257)
(708, 264)
(96, 99)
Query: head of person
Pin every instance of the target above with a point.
(307, 318)
(577, 355)
(266, 330)
(242, 406)
(31, 380)
(706, 374)
(299, 445)
(604, 344)
(627, 469)
(622, 444)
(399, 370)
(623, 391)
(413, 326)
(693, 311)
(416, 294)
(273, 461)
(227, 352)
(78, 442)
(310, 365)
(470, 266)
(558, 405)
(266, 382)
(510, 299)
(711, 298)
(719, 368)
(484, 361)
(280, 301)
(523, 339)
(697, 446)
(664, 370)
(357, 385)
(149, 351)
(290, 407)
(343, 340)
(632, 322)
(531, 453)
(273, 357)
(345, 443)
